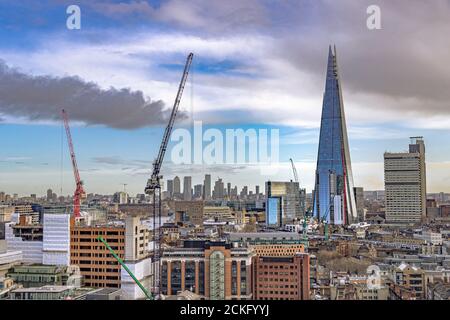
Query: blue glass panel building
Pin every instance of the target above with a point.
(334, 200)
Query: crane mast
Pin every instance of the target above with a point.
(154, 182)
(153, 187)
(294, 170)
(79, 190)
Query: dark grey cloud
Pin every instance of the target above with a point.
(405, 63)
(43, 97)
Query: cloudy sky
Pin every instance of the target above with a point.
(257, 64)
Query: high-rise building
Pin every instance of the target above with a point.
(405, 184)
(49, 195)
(244, 192)
(198, 191)
(283, 203)
(334, 198)
(170, 188)
(218, 191)
(137, 259)
(187, 188)
(176, 186)
(359, 199)
(229, 189)
(207, 187)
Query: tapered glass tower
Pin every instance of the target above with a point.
(334, 200)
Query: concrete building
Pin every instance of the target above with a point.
(277, 250)
(411, 279)
(56, 238)
(281, 278)
(359, 200)
(42, 293)
(189, 211)
(187, 188)
(97, 266)
(41, 275)
(213, 270)
(264, 238)
(218, 213)
(433, 238)
(198, 192)
(137, 259)
(207, 187)
(405, 184)
(170, 189)
(218, 192)
(6, 212)
(176, 187)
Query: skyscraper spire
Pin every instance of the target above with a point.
(334, 200)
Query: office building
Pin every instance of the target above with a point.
(218, 191)
(207, 187)
(191, 211)
(334, 199)
(33, 276)
(187, 188)
(198, 191)
(281, 278)
(137, 259)
(170, 188)
(213, 270)
(282, 203)
(359, 200)
(97, 266)
(176, 187)
(405, 184)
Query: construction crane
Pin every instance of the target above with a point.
(294, 170)
(305, 218)
(79, 190)
(153, 187)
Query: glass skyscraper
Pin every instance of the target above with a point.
(334, 200)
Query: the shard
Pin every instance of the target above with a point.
(334, 200)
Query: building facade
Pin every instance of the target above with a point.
(97, 266)
(334, 200)
(405, 184)
(283, 203)
(281, 278)
(213, 270)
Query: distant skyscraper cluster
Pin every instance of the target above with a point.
(207, 191)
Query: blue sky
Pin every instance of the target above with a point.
(257, 65)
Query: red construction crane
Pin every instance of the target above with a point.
(79, 190)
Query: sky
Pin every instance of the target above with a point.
(257, 65)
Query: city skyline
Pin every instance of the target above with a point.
(247, 58)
